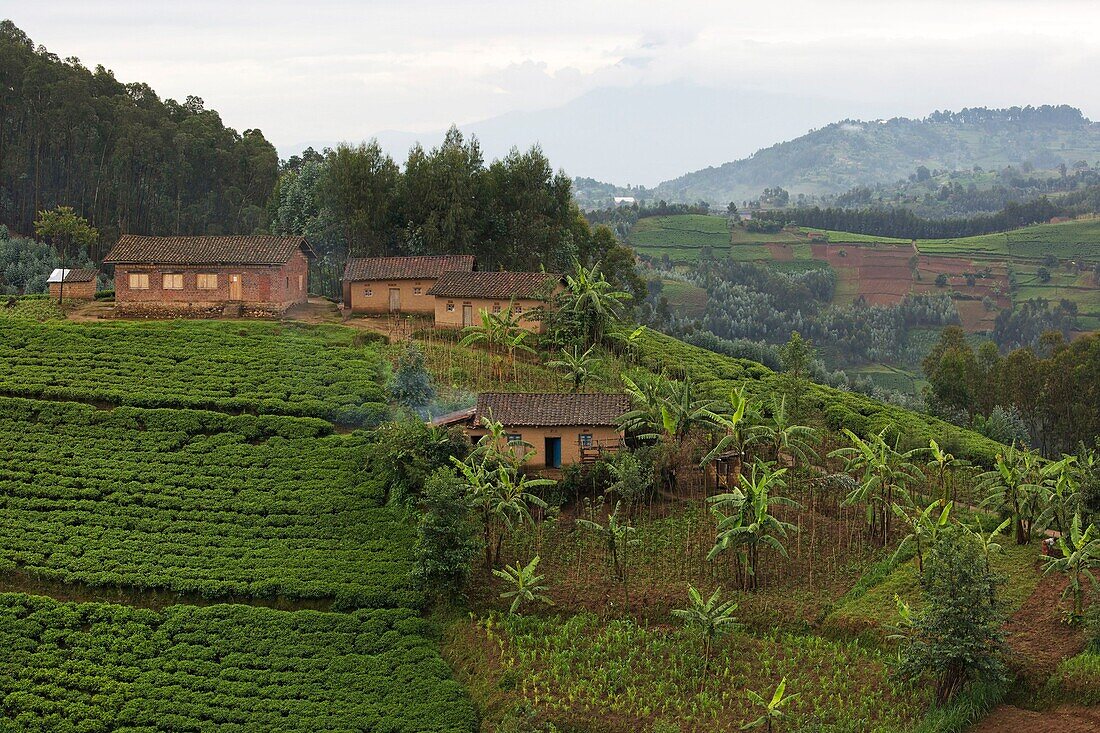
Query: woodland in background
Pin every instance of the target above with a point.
(122, 157)
(1054, 389)
(514, 214)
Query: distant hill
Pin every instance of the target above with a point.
(852, 153)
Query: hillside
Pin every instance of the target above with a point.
(851, 153)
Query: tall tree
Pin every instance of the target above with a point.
(64, 230)
(359, 185)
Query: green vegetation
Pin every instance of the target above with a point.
(98, 667)
(252, 366)
(197, 503)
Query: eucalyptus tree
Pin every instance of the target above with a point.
(1080, 557)
(525, 586)
(884, 471)
(746, 521)
(710, 617)
(577, 367)
(1012, 487)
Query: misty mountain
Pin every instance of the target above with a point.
(844, 154)
(641, 134)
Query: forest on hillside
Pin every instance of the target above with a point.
(120, 155)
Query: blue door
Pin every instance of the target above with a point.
(553, 452)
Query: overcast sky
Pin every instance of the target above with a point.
(321, 70)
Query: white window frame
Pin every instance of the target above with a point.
(450, 307)
(584, 440)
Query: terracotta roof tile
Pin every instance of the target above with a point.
(229, 250)
(547, 409)
(406, 268)
(493, 284)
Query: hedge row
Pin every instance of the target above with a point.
(199, 503)
(70, 667)
(248, 366)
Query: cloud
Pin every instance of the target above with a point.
(333, 69)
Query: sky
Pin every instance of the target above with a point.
(323, 71)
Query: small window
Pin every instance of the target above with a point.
(139, 281)
(450, 307)
(585, 439)
(173, 281)
(496, 307)
(368, 293)
(517, 308)
(416, 291)
(206, 281)
(288, 282)
(514, 437)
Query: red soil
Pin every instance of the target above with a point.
(1062, 719)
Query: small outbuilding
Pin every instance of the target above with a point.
(397, 284)
(461, 296)
(562, 429)
(204, 276)
(78, 284)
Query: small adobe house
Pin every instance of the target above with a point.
(79, 284)
(563, 429)
(461, 296)
(208, 276)
(397, 284)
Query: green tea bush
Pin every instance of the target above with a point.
(198, 503)
(97, 667)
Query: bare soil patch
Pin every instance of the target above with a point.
(1038, 639)
(1062, 719)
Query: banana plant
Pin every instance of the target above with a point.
(772, 709)
(923, 526)
(525, 586)
(711, 617)
(1011, 487)
(617, 536)
(1080, 557)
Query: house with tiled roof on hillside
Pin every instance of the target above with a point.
(562, 429)
(397, 284)
(461, 297)
(205, 276)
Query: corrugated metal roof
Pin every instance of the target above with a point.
(72, 276)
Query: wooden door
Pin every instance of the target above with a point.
(395, 299)
(467, 315)
(234, 287)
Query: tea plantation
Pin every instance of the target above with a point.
(235, 520)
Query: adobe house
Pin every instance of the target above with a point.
(209, 276)
(563, 429)
(461, 296)
(79, 284)
(397, 284)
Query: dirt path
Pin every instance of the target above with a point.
(1038, 640)
(1062, 719)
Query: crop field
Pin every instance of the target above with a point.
(196, 503)
(684, 299)
(634, 676)
(1079, 239)
(254, 367)
(28, 309)
(89, 667)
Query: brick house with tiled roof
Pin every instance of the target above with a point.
(202, 276)
(563, 429)
(397, 284)
(461, 296)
